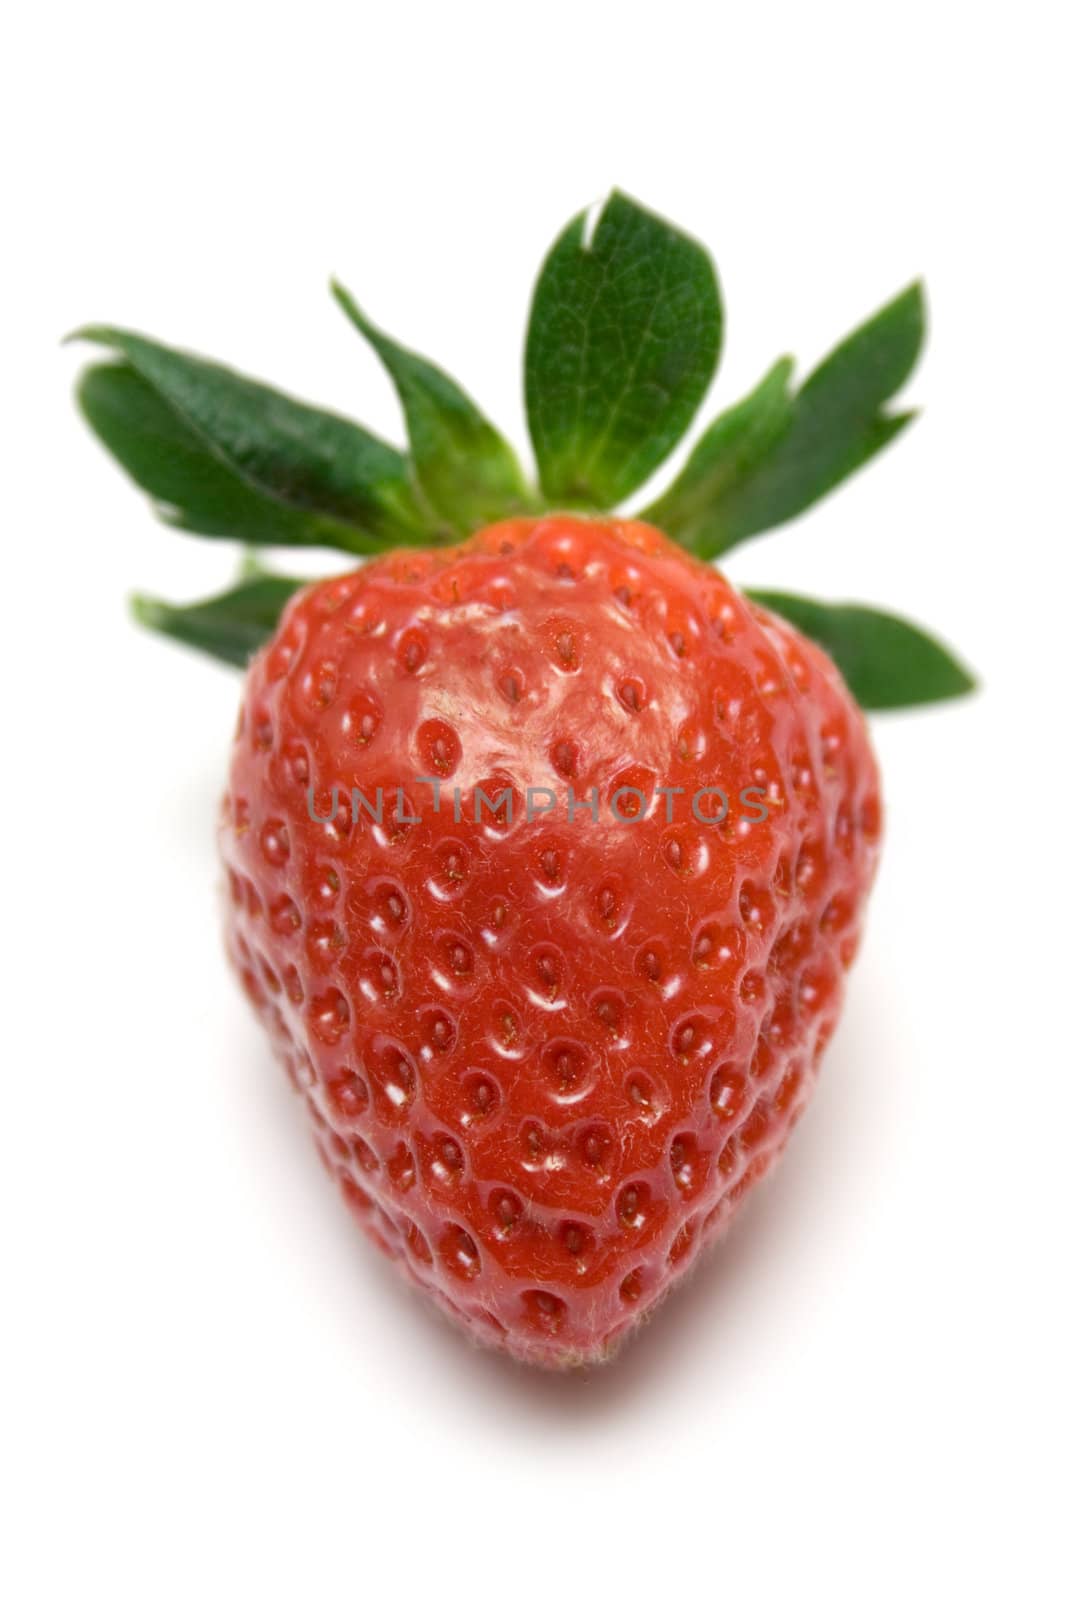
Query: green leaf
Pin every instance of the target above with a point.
(624, 336)
(465, 468)
(886, 661)
(725, 455)
(192, 488)
(230, 626)
(301, 458)
(836, 423)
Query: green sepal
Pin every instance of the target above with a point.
(728, 452)
(191, 488)
(466, 469)
(886, 661)
(279, 449)
(624, 337)
(836, 423)
(230, 626)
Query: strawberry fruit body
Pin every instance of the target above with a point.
(546, 849)
(545, 1060)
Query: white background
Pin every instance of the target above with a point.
(213, 1387)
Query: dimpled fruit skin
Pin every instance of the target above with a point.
(544, 1062)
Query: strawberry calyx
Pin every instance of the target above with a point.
(623, 340)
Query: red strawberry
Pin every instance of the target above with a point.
(547, 851)
(545, 1061)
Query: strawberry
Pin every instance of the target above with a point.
(545, 1060)
(547, 850)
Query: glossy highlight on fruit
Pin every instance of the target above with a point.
(544, 1060)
